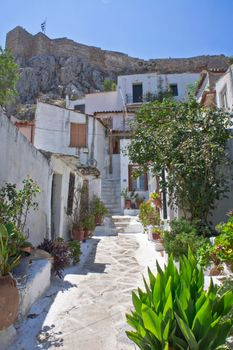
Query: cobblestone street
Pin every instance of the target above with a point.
(86, 311)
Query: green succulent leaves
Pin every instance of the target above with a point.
(175, 312)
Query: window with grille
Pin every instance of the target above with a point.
(78, 135)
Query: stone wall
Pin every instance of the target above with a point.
(61, 66)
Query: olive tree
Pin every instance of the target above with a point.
(189, 143)
(8, 77)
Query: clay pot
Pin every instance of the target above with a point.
(86, 233)
(127, 204)
(78, 234)
(157, 202)
(156, 236)
(98, 219)
(9, 301)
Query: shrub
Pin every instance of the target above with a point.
(175, 312)
(75, 251)
(223, 244)
(148, 215)
(182, 235)
(15, 204)
(60, 253)
(97, 207)
(226, 286)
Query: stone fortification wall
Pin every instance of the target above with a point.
(60, 66)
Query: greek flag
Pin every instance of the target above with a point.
(43, 26)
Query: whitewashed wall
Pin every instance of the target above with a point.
(150, 82)
(19, 159)
(52, 133)
(225, 82)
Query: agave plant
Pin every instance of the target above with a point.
(175, 312)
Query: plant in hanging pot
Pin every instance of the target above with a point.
(99, 210)
(9, 296)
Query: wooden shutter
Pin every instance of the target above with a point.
(78, 137)
(130, 168)
(70, 198)
(146, 182)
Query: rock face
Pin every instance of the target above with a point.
(59, 66)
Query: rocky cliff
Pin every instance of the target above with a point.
(59, 66)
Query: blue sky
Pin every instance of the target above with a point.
(140, 28)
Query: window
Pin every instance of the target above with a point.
(80, 108)
(70, 199)
(139, 184)
(174, 89)
(223, 97)
(137, 92)
(78, 135)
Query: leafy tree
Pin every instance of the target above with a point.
(188, 142)
(109, 85)
(8, 77)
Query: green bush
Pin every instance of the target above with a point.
(148, 215)
(227, 285)
(182, 235)
(223, 243)
(175, 312)
(75, 251)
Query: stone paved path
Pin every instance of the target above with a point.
(88, 311)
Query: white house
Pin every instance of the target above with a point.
(116, 109)
(70, 133)
(52, 172)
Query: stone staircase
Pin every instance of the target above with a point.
(127, 224)
(110, 195)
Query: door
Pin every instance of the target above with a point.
(137, 93)
(56, 205)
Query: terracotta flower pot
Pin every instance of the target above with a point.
(138, 203)
(155, 236)
(127, 204)
(98, 219)
(86, 233)
(77, 234)
(9, 301)
(157, 202)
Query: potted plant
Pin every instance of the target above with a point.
(88, 223)
(139, 201)
(126, 195)
(77, 231)
(156, 199)
(9, 296)
(98, 209)
(157, 234)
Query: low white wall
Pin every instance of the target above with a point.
(19, 159)
(38, 282)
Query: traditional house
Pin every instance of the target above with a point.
(52, 172)
(116, 109)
